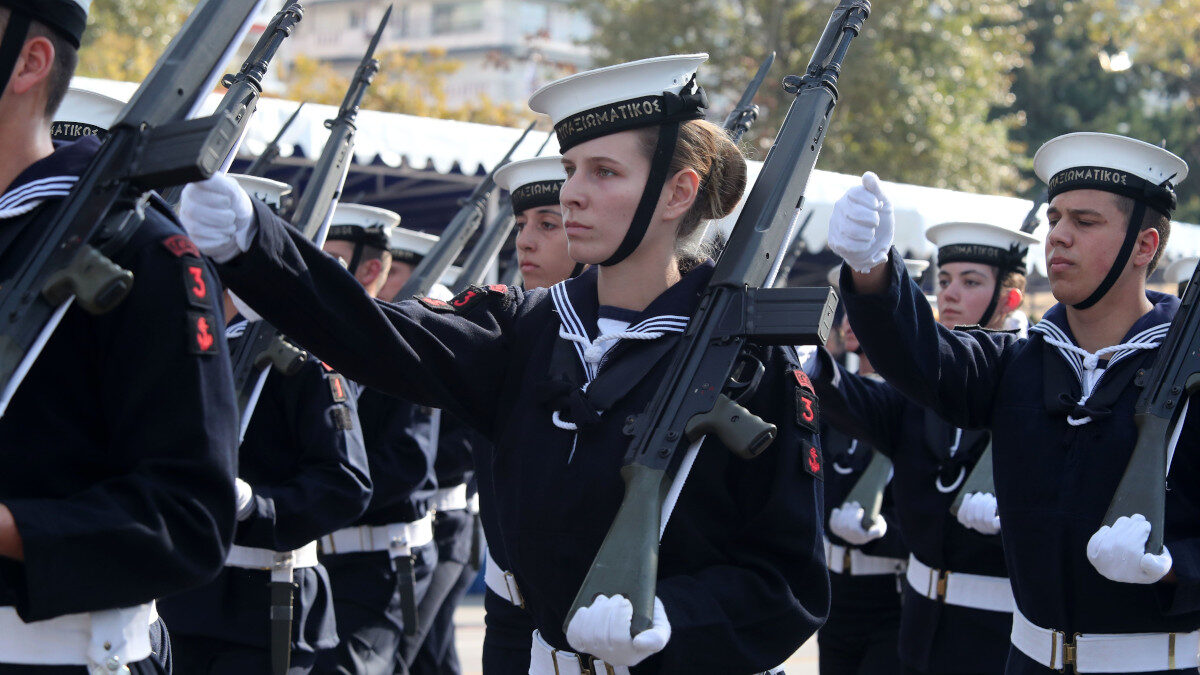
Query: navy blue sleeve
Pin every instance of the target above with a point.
(858, 406)
(752, 613)
(952, 372)
(313, 426)
(436, 355)
(161, 518)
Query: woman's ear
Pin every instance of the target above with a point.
(680, 193)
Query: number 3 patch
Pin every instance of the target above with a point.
(808, 409)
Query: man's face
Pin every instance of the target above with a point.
(1086, 232)
(398, 276)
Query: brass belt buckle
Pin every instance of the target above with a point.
(1069, 649)
(942, 583)
(846, 558)
(585, 665)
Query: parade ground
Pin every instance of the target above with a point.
(468, 622)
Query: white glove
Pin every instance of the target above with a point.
(602, 630)
(846, 522)
(978, 512)
(218, 217)
(1119, 552)
(248, 314)
(245, 500)
(862, 225)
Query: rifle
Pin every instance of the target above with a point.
(980, 479)
(456, 234)
(243, 89)
(795, 249)
(271, 152)
(868, 490)
(480, 258)
(153, 145)
(734, 310)
(745, 112)
(1159, 413)
(262, 347)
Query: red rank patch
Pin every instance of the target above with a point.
(179, 246)
(498, 288)
(808, 410)
(802, 380)
(812, 463)
(436, 305)
(201, 333)
(337, 387)
(196, 283)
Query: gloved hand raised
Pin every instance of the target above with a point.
(602, 630)
(862, 226)
(218, 217)
(978, 512)
(846, 522)
(1119, 552)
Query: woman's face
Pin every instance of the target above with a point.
(964, 290)
(605, 180)
(542, 247)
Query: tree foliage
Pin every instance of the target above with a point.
(125, 37)
(919, 88)
(408, 82)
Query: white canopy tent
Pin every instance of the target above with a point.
(459, 151)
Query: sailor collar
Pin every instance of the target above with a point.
(578, 307)
(48, 178)
(1147, 333)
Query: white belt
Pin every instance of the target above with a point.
(279, 563)
(450, 499)
(502, 583)
(1105, 653)
(846, 560)
(105, 641)
(958, 588)
(546, 660)
(398, 539)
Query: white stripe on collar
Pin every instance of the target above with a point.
(29, 196)
(1084, 363)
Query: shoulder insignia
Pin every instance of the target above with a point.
(802, 380)
(195, 281)
(341, 418)
(436, 305)
(813, 463)
(179, 246)
(808, 408)
(337, 387)
(201, 339)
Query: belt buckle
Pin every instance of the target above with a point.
(510, 583)
(1070, 649)
(284, 560)
(846, 558)
(585, 664)
(399, 544)
(938, 580)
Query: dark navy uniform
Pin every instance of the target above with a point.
(741, 566)
(1054, 480)
(456, 533)
(304, 457)
(864, 613)
(935, 637)
(118, 449)
(370, 587)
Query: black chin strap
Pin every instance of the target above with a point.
(578, 269)
(991, 308)
(356, 257)
(664, 151)
(11, 44)
(1131, 233)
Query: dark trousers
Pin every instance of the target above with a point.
(506, 640)
(158, 663)
(432, 650)
(195, 655)
(859, 647)
(367, 603)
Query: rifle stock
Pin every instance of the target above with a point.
(979, 480)
(711, 349)
(868, 490)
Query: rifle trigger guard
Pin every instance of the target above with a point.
(739, 389)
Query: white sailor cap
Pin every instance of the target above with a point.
(410, 246)
(617, 98)
(915, 266)
(532, 182)
(1181, 270)
(68, 17)
(1117, 164)
(361, 223)
(84, 113)
(985, 243)
(265, 190)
